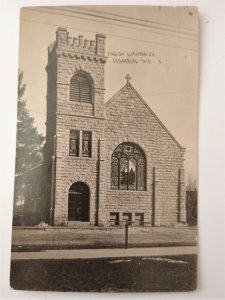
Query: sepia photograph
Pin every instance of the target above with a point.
(106, 172)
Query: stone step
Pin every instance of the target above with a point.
(79, 224)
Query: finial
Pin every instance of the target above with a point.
(128, 78)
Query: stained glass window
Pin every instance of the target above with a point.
(74, 143)
(81, 88)
(86, 143)
(128, 168)
(132, 174)
(123, 173)
(141, 177)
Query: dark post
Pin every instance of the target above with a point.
(126, 234)
(153, 198)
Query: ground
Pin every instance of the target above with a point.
(30, 239)
(134, 274)
(82, 259)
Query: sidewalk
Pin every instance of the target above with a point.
(104, 253)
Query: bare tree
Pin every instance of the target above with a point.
(191, 184)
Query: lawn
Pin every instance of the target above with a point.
(137, 274)
(71, 238)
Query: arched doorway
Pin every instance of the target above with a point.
(78, 202)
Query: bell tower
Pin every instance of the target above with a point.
(75, 122)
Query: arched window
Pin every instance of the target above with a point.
(128, 168)
(81, 88)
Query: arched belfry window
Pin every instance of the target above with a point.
(128, 168)
(81, 88)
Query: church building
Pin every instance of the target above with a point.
(105, 162)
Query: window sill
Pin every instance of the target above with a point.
(79, 157)
(127, 191)
(81, 103)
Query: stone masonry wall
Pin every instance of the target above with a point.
(70, 169)
(74, 55)
(130, 120)
(125, 118)
(67, 67)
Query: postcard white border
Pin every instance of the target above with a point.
(211, 147)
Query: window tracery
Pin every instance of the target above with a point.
(128, 168)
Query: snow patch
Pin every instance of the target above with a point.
(119, 261)
(170, 261)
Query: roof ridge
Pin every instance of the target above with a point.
(115, 95)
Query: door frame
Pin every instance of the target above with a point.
(76, 188)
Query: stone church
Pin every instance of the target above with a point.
(105, 162)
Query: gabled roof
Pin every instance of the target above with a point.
(128, 84)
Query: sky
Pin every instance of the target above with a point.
(161, 44)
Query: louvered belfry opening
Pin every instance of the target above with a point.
(81, 88)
